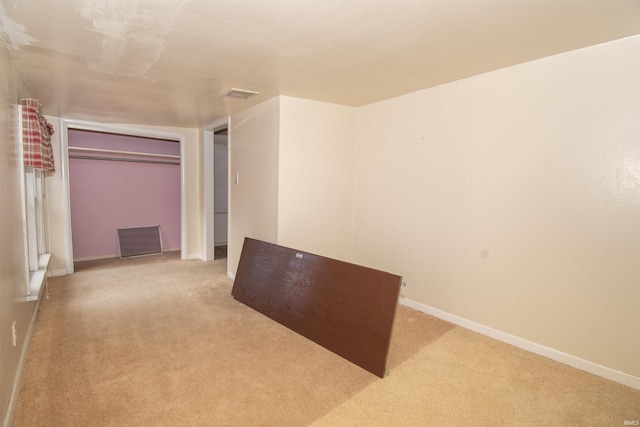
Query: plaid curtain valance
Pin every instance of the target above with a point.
(36, 136)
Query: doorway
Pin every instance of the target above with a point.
(220, 192)
(217, 211)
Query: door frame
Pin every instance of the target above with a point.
(208, 246)
(65, 125)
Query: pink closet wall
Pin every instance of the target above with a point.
(107, 195)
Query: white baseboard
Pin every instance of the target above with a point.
(13, 398)
(95, 258)
(113, 256)
(232, 275)
(195, 256)
(559, 356)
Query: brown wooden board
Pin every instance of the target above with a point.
(346, 308)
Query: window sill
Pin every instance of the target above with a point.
(39, 278)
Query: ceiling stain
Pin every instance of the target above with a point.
(134, 34)
(12, 34)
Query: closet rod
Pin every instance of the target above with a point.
(135, 153)
(115, 159)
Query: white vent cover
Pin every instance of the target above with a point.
(139, 241)
(240, 93)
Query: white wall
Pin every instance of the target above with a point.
(512, 199)
(13, 273)
(253, 152)
(315, 199)
(294, 158)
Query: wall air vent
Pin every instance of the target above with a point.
(240, 93)
(139, 241)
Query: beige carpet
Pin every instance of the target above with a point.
(157, 341)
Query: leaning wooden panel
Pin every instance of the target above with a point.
(346, 308)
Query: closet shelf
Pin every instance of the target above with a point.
(133, 153)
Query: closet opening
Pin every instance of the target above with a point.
(120, 178)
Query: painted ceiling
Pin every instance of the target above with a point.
(167, 62)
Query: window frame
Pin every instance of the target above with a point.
(33, 220)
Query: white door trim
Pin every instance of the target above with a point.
(208, 246)
(208, 241)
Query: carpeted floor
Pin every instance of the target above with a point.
(157, 341)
